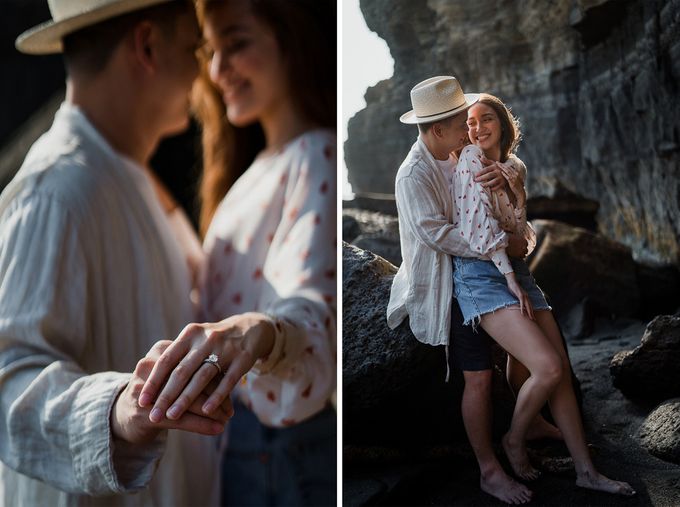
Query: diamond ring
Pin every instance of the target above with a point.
(212, 359)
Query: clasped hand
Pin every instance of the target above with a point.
(131, 423)
(497, 175)
(180, 375)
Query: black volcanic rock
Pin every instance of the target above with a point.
(373, 231)
(572, 264)
(660, 433)
(390, 379)
(650, 372)
(594, 83)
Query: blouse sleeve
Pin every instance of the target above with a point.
(524, 228)
(474, 211)
(54, 415)
(298, 378)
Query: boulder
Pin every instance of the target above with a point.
(350, 227)
(650, 372)
(383, 244)
(660, 433)
(377, 233)
(571, 264)
(393, 385)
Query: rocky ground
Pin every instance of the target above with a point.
(448, 476)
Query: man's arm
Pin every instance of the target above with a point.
(424, 216)
(55, 417)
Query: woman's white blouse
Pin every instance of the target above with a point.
(482, 214)
(271, 248)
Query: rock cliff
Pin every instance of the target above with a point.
(594, 83)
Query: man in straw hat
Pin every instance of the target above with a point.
(91, 275)
(422, 289)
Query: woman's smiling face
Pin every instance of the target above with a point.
(246, 62)
(484, 127)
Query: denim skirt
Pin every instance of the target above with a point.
(480, 288)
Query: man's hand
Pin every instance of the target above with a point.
(491, 175)
(517, 246)
(130, 422)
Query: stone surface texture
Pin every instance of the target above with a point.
(389, 378)
(571, 264)
(594, 83)
(660, 433)
(650, 372)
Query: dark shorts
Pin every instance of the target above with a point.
(470, 350)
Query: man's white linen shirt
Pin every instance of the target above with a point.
(91, 277)
(422, 289)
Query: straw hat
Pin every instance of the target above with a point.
(437, 98)
(69, 16)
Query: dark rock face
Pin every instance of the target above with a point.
(390, 379)
(660, 433)
(373, 231)
(571, 265)
(593, 81)
(561, 204)
(650, 372)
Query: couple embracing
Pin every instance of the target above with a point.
(463, 281)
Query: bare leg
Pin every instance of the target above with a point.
(477, 413)
(524, 340)
(565, 410)
(516, 375)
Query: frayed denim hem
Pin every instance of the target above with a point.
(475, 320)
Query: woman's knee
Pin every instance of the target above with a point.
(550, 370)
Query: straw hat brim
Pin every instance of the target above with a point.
(412, 119)
(46, 38)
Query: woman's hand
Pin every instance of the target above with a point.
(517, 290)
(238, 342)
(130, 423)
(515, 182)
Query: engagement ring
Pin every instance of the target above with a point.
(212, 359)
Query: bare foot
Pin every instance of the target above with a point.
(519, 460)
(500, 485)
(540, 428)
(599, 482)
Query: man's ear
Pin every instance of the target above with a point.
(437, 129)
(143, 44)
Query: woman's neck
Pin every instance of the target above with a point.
(283, 124)
(493, 153)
